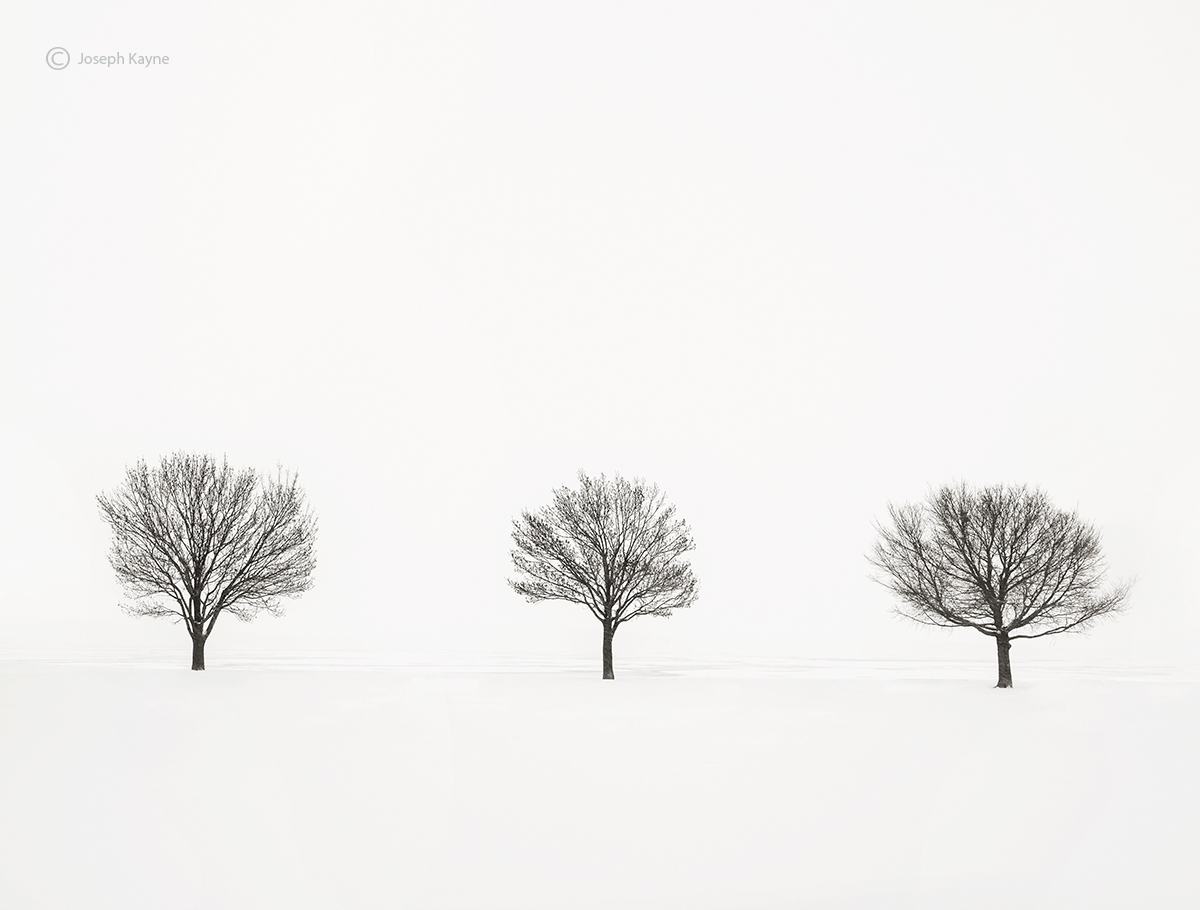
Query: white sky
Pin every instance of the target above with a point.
(788, 261)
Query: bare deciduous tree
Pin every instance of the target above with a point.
(193, 539)
(614, 547)
(1002, 560)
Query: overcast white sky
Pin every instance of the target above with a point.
(789, 261)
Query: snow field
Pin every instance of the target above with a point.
(240, 788)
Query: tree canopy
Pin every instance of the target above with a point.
(1001, 560)
(193, 539)
(612, 546)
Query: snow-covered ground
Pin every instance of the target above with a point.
(132, 783)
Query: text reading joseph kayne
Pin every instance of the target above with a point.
(115, 59)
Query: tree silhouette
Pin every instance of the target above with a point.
(193, 539)
(614, 547)
(1002, 560)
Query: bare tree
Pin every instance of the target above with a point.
(1001, 560)
(614, 547)
(193, 539)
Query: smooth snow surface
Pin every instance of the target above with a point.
(144, 787)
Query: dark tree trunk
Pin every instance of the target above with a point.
(1003, 646)
(608, 637)
(197, 652)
